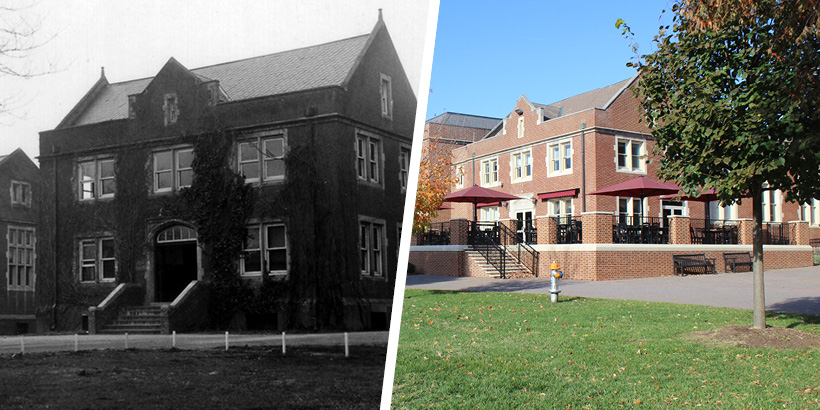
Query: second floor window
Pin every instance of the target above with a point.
(262, 159)
(522, 165)
(96, 179)
(404, 166)
(489, 172)
(368, 158)
(631, 157)
(20, 193)
(173, 169)
(560, 158)
(97, 260)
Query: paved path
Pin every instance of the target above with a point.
(787, 290)
(14, 344)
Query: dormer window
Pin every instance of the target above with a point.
(386, 91)
(171, 109)
(132, 106)
(213, 93)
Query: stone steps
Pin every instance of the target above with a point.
(512, 267)
(137, 320)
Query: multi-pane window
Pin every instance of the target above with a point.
(631, 155)
(809, 212)
(772, 200)
(20, 193)
(522, 165)
(561, 207)
(96, 179)
(560, 158)
(404, 166)
(20, 256)
(97, 260)
(262, 158)
(489, 172)
(173, 169)
(718, 212)
(170, 109)
(386, 95)
(266, 249)
(630, 211)
(489, 214)
(520, 127)
(368, 158)
(371, 248)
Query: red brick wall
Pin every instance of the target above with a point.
(438, 262)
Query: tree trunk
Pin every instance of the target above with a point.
(757, 266)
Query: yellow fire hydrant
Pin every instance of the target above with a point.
(555, 274)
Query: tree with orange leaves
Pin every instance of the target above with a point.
(435, 180)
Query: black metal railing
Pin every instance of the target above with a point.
(523, 253)
(483, 237)
(437, 234)
(775, 233)
(525, 228)
(706, 231)
(569, 229)
(639, 229)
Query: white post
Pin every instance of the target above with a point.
(347, 350)
(76, 343)
(283, 342)
(126, 340)
(226, 340)
(174, 339)
(22, 345)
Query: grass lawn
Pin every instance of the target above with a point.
(509, 351)
(241, 378)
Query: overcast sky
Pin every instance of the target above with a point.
(488, 54)
(134, 39)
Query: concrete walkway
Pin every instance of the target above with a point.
(15, 344)
(787, 290)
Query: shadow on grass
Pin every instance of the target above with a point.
(798, 319)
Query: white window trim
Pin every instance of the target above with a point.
(175, 184)
(386, 96)
(98, 262)
(631, 206)
(370, 223)
(404, 166)
(497, 182)
(777, 197)
(97, 194)
(559, 203)
(491, 213)
(561, 159)
(369, 138)
(811, 211)
(263, 248)
(514, 166)
(643, 156)
(17, 246)
(259, 138)
(460, 176)
(24, 185)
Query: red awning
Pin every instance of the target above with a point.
(558, 194)
(479, 205)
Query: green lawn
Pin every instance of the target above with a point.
(506, 351)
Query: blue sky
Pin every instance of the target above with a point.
(488, 53)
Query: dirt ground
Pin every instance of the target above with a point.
(241, 378)
(772, 337)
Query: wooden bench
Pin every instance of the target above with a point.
(698, 263)
(735, 259)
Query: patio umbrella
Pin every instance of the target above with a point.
(640, 187)
(475, 195)
(444, 207)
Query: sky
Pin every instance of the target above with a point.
(488, 54)
(135, 39)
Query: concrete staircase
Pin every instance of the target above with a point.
(136, 320)
(512, 267)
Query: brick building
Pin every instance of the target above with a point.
(553, 155)
(19, 183)
(120, 172)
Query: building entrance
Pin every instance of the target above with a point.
(175, 258)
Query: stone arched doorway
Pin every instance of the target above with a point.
(175, 261)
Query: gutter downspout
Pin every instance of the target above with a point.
(54, 257)
(583, 125)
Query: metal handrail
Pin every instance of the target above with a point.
(510, 237)
(485, 245)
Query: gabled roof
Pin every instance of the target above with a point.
(598, 98)
(465, 120)
(18, 151)
(301, 69)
